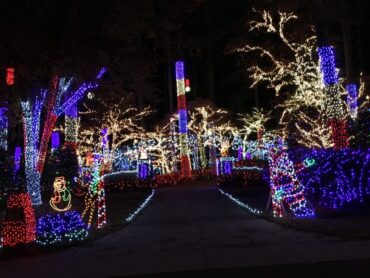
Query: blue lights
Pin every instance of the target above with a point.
(337, 178)
(3, 128)
(327, 65)
(67, 227)
(352, 94)
(180, 70)
(183, 121)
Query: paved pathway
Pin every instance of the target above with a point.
(188, 228)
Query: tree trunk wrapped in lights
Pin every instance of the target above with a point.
(333, 103)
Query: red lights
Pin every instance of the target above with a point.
(10, 76)
(339, 133)
(19, 225)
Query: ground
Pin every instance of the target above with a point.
(196, 229)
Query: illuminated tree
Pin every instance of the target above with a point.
(294, 71)
(199, 122)
(36, 147)
(121, 119)
(160, 147)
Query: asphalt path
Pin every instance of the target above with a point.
(194, 229)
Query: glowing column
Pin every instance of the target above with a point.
(352, 94)
(71, 127)
(3, 129)
(183, 120)
(17, 159)
(334, 108)
(55, 140)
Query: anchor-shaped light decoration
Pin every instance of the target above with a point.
(61, 195)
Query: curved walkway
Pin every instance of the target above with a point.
(188, 228)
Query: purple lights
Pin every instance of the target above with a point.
(17, 158)
(55, 140)
(104, 134)
(143, 170)
(227, 166)
(72, 111)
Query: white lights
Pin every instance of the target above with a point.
(239, 203)
(132, 216)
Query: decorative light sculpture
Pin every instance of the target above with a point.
(285, 185)
(333, 103)
(183, 120)
(61, 195)
(95, 196)
(10, 76)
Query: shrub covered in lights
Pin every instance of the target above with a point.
(335, 178)
(61, 228)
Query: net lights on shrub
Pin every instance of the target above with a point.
(17, 231)
(333, 103)
(132, 216)
(183, 120)
(337, 178)
(66, 227)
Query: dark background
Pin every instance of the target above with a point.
(139, 40)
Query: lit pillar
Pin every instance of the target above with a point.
(71, 126)
(3, 129)
(55, 141)
(183, 119)
(334, 108)
(352, 94)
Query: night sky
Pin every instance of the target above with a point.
(138, 40)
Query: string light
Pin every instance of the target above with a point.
(239, 203)
(21, 230)
(132, 216)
